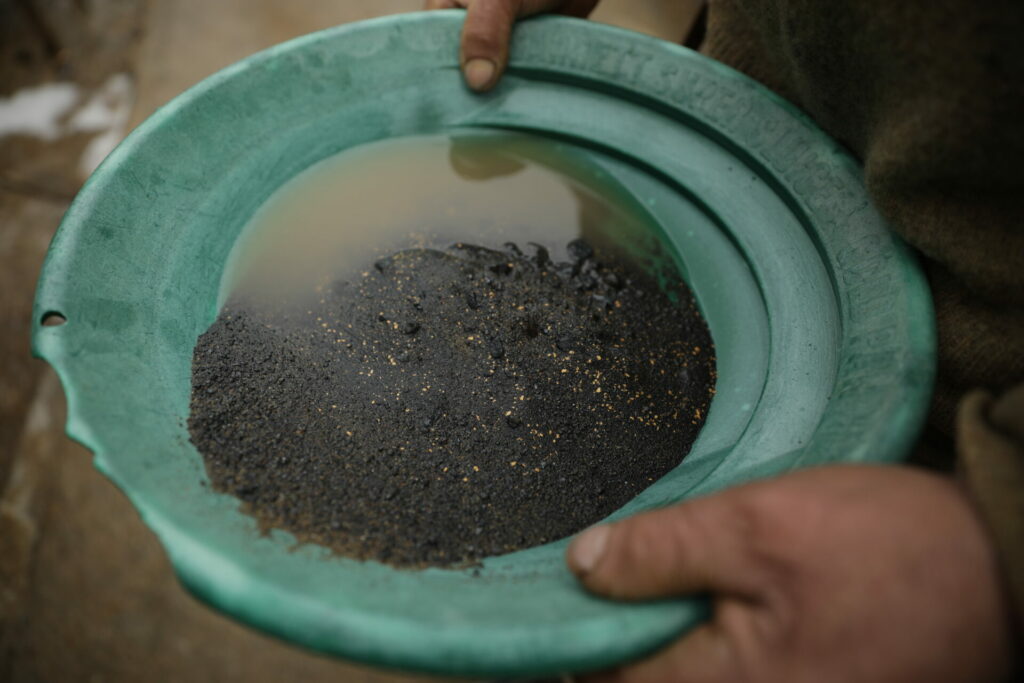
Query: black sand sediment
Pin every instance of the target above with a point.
(449, 405)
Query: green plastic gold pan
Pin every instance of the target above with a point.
(821, 319)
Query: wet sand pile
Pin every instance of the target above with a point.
(445, 406)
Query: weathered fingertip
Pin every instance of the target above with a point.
(586, 551)
(479, 73)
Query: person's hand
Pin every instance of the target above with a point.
(837, 574)
(488, 29)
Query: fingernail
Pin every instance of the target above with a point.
(586, 551)
(479, 73)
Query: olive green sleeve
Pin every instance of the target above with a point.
(990, 445)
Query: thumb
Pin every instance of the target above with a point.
(700, 546)
(485, 37)
(487, 32)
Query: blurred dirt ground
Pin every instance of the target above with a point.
(86, 593)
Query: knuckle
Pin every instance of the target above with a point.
(645, 535)
(477, 43)
(736, 521)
